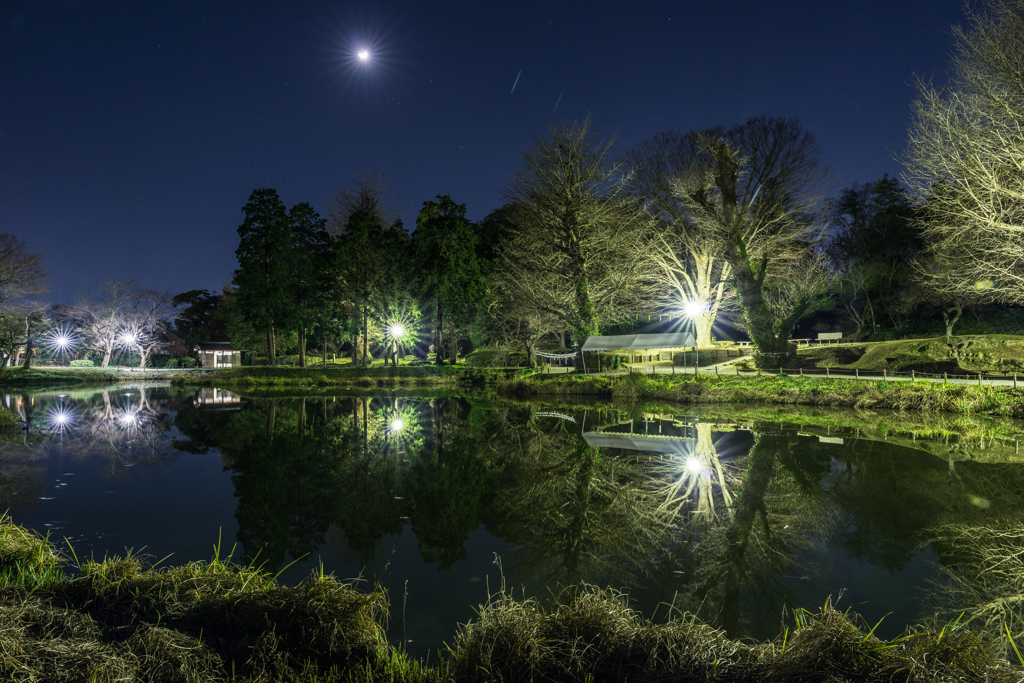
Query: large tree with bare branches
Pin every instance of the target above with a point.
(690, 274)
(22, 277)
(576, 228)
(753, 190)
(101, 322)
(22, 274)
(965, 157)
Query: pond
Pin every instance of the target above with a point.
(443, 500)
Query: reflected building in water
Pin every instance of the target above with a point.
(212, 397)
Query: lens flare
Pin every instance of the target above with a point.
(60, 419)
(694, 308)
(60, 340)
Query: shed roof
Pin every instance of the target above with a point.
(216, 346)
(623, 342)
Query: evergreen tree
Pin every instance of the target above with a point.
(264, 259)
(450, 273)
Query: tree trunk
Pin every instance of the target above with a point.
(271, 415)
(271, 351)
(702, 329)
(439, 340)
(587, 325)
(366, 335)
(302, 346)
(959, 310)
(29, 352)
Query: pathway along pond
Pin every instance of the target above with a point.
(738, 523)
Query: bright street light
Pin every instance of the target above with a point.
(694, 308)
(397, 426)
(396, 331)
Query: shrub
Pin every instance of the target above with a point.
(496, 358)
(187, 362)
(82, 364)
(8, 423)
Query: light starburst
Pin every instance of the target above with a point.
(60, 340)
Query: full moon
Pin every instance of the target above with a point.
(363, 55)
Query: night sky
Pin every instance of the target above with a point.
(131, 133)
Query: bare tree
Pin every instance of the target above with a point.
(144, 321)
(22, 274)
(690, 273)
(514, 314)
(755, 188)
(369, 194)
(965, 156)
(576, 229)
(101, 322)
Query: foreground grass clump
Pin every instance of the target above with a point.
(592, 635)
(777, 390)
(120, 620)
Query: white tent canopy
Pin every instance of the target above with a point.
(639, 442)
(629, 342)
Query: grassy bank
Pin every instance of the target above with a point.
(775, 390)
(119, 620)
(348, 377)
(68, 377)
(962, 354)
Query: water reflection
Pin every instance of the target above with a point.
(735, 522)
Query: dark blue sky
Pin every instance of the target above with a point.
(131, 133)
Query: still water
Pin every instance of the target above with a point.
(440, 500)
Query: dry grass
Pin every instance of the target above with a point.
(592, 635)
(120, 620)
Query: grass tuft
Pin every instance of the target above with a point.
(206, 622)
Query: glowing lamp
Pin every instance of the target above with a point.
(397, 426)
(694, 465)
(397, 331)
(693, 308)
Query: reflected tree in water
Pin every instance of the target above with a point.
(576, 514)
(729, 562)
(450, 489)
(983, 567)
